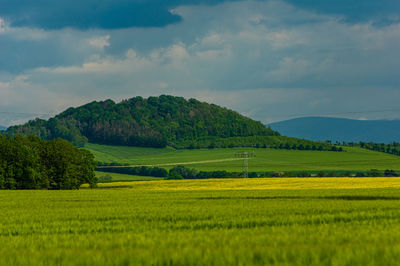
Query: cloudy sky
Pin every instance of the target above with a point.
(271, 60)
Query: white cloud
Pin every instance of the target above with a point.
(100, 42)
(176, 52)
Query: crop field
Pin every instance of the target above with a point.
(265, 160)
(260, 184)
(290, 221)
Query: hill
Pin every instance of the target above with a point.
(2, 128)
(340, 129)
(151, 122)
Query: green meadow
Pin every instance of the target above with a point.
(265, 160)
(186, 226)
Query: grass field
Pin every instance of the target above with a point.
(233, 222)
(265, 160)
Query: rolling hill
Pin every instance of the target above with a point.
(340, 129)
(152, 122)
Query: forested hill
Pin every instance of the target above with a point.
(2, 128)
(151, 122)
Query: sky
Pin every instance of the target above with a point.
(269, 59)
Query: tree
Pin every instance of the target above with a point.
(30, 163)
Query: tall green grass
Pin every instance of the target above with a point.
(137, 227)
(265, 160)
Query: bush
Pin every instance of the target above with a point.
(277, 174)
(321, 174)
(174, 175)
(360, 174)
(390, 173)
(303, 174)
(183, 172)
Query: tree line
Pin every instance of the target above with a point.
(32, 163)
(272, 142)
(391, 148)
(182, 172)
(138, 170)
(177, 172)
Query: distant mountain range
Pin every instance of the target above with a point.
(340, 129)
(2, 128)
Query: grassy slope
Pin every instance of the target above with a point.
(215, 227)
(266, 160)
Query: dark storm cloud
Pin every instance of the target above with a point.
(104, 14)
(50, 14)
(116, 14)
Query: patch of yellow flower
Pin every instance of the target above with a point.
(260, 183)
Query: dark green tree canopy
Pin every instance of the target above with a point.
(32, 163)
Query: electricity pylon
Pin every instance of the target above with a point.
(245, 155)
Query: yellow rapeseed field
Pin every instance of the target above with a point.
(260, 184)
